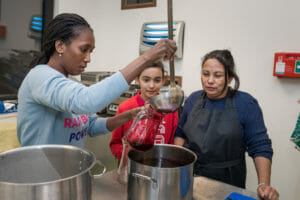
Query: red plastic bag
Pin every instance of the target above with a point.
(141, 133)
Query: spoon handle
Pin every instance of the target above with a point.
(170, 36)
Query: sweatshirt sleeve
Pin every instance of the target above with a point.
(174, 126)
(54, 90)
(256, 138)
(97, 126)
(116, 145)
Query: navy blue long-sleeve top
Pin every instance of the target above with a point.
(253, 129)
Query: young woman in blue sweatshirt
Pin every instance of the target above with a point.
(56, 110)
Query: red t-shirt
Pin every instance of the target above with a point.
(164, 135)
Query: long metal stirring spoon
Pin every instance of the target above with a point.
(169, 98)
(170, 36)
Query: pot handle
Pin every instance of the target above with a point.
(144, 177)
(103, 171)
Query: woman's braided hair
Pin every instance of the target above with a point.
(64, 27)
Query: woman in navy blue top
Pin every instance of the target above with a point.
(220, 124)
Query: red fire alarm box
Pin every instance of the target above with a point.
(286, 64)
(2, 31)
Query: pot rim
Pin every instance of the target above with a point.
(50, 146)
(167, 168)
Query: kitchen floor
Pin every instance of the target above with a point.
(99, 145)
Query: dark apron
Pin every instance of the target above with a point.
(215, 136)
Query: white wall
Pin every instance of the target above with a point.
(252, 29)
(16, 16)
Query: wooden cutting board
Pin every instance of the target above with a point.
(8, 132)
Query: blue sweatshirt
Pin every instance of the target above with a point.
(253, 129)
(56, 110)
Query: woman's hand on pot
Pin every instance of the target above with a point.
(163, 49)
(267, 192)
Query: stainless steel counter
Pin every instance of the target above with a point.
(108, 188)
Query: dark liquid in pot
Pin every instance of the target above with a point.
(163, 162)
(141, 147)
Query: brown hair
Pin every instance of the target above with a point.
(157, 64)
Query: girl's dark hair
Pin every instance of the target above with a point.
(226, 59)
(64, 27)
(157, 64)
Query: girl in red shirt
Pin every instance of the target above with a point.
(150, 81)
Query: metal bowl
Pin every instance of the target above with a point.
(47, 172)
(168, 100)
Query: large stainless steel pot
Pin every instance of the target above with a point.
(164, 172)
(48, 172)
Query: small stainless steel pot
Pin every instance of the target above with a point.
(163, 172)
(48, 172)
